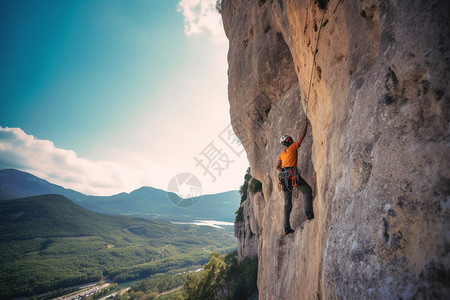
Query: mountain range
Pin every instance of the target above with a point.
(143, 202)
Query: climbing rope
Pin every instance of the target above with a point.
(314, 59)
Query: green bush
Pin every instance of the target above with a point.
(243, 191)
(219, 6)
(239, 215)
(242, 276)
(247, 177)
(255, 186)
(223, 278)
(244, 188)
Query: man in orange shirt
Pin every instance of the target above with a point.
(290, 178)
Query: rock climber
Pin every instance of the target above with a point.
(289, 178)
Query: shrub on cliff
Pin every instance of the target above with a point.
(244, 188)
(255, 186)
(239, 215)
(219, 6)
(243, 191)
(247, 176)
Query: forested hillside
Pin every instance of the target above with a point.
(48, 242)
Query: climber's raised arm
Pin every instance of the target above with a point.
(278, 166)
(302, 136)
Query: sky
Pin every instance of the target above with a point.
(107, 96)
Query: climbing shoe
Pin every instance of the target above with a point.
(310, 217)
(288, 230)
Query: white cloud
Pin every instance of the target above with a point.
(63, 167)
(41, 158)
(201, 16)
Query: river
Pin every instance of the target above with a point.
(212, 223)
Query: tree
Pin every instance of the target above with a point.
(223, 278)
(209, 283)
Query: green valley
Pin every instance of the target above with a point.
(48, 242)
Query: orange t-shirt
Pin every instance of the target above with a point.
(289, 156)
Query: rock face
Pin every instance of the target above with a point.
(246, 231)
(375, 88)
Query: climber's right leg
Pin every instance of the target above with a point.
(305, 188)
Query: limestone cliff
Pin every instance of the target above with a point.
(372, 77)
(247, 229)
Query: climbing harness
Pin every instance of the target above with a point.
(289, 179)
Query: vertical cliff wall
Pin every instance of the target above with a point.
(247, 229)
(375, 88)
